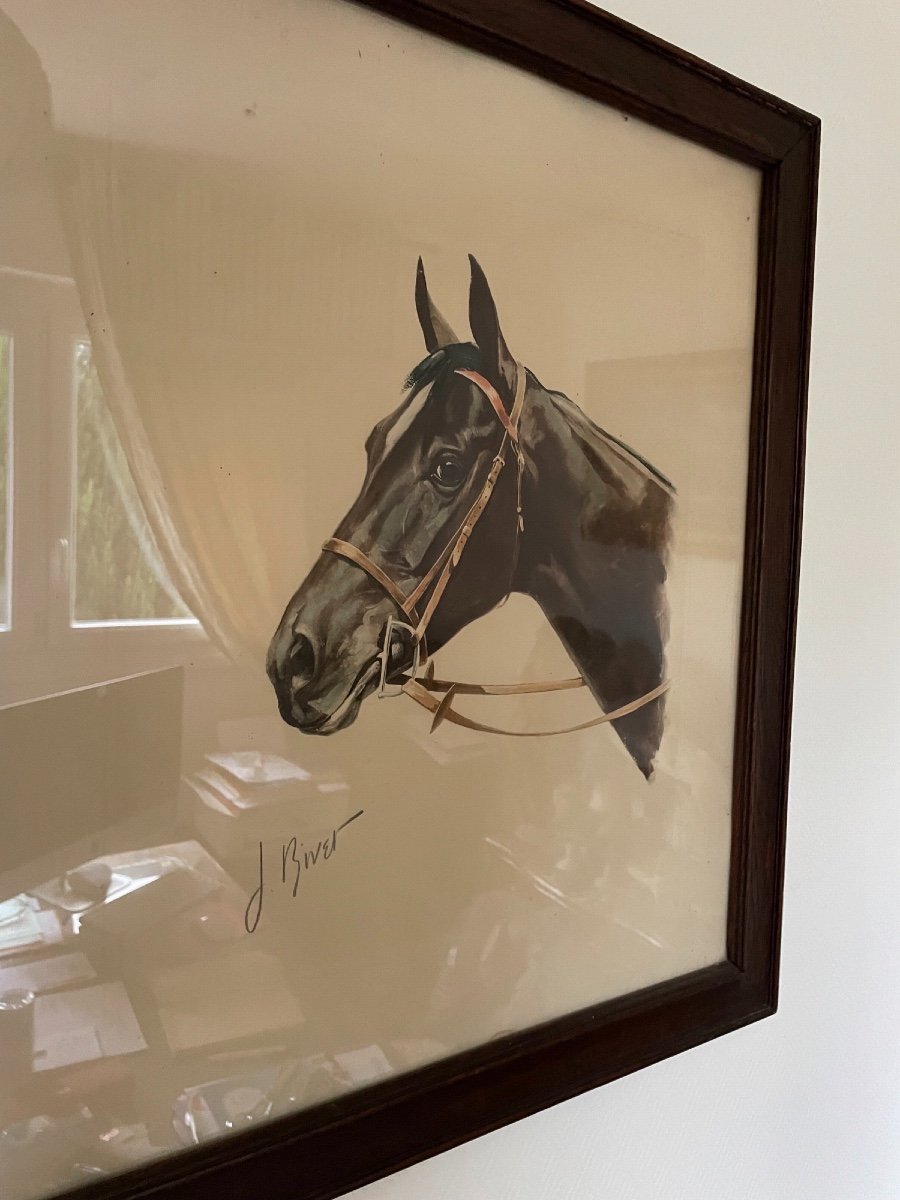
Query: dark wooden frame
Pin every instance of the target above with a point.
(338, 1146)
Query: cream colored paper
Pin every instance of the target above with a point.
(242, 226)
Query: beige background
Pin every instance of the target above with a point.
(246, 223)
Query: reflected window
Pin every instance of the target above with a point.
(119, 576)
(6, 346)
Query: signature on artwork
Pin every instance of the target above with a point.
(296, 858)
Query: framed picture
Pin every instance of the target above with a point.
(409, 399)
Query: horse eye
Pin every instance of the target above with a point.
(448, 471)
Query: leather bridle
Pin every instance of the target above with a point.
(437, 695)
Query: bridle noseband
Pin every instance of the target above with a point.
(425, 690)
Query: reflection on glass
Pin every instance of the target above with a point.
(220, 918)
(118, 573)
(5, 474)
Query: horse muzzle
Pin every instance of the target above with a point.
(312, 694)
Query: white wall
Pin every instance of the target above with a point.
(804, 1105)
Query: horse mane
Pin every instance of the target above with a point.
(594, 434)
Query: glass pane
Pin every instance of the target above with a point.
(5, 475)
(119, 575)
(286, 889)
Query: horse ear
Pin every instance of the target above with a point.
(485, 326)
(435, 329)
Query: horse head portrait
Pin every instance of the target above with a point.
(482, 482)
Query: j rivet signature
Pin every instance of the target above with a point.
(295, 859)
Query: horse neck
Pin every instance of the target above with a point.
(593, 557)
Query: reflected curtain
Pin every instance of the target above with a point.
(202, 286)
(93, 408)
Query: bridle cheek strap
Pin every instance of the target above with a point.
(422, 690)
(509, 421)
(449, 557)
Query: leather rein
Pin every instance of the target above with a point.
(437, 695)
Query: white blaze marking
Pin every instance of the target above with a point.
(406, 419)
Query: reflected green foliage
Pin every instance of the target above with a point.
(5, 356)
(113, 578)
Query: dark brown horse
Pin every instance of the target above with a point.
(591, 549)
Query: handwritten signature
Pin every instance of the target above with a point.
(292, 867)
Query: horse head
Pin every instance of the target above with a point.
(581, 525)
(425, 464)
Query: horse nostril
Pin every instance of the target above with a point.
(301, 662)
